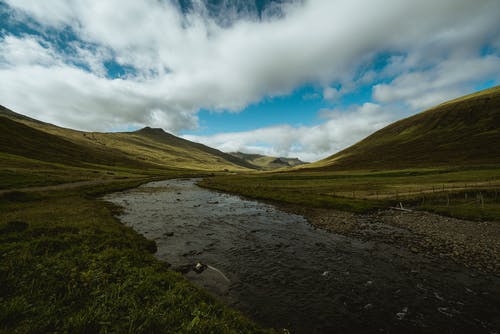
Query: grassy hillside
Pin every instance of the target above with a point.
(267, 162)
(22, 140)
(35, 153)
(461, 132)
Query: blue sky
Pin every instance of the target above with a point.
(288, 78)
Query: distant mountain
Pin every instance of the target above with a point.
(149, 148)
(460, 132)
(267, 162)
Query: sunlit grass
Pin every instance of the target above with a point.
(442, 189)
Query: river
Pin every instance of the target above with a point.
(284, 273)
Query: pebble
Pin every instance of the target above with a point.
(401, 315)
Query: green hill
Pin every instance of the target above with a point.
(461, 132)
(267, 162)
(154, 148)
(34, 153)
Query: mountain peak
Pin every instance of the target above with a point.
(149, 129)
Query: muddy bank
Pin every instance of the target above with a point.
(285, 273)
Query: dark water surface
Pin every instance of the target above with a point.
(284, 273)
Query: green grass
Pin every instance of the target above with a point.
(441, 190)
(67, 265)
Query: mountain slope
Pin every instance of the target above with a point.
(153, 148)
(267, 162)
(463, 132)
(19, 139)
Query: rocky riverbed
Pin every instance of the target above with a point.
(471, 243)
(284, 272)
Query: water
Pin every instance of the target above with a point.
(284, 273)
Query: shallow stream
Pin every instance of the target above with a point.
(284, 273)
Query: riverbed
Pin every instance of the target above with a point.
(283, 272)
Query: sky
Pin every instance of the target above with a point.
(302, 78)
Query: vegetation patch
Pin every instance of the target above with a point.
(472, 193)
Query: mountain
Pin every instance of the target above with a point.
(267, 162)
(460, 132)
(146, 148)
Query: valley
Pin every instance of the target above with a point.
(417, 216)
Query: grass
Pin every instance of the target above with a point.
(67, 265)
(472, 193)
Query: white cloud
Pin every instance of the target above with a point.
(309, 143)
(186, 62)
(27, 51)
(331, 93)
(448, 79)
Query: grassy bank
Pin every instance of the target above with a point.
(472, 193)
(67, 265)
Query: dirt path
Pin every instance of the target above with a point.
(285, 273)
(62, 186)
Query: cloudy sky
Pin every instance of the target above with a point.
(299, 78)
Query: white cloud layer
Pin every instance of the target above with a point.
(186, 62)
(341, 129)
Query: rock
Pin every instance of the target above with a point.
(445, 311)
(325, 273)
(199, 268)
(438, 296)
(401, 315)
(168, 234)
(184, 269)
(368, 306)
